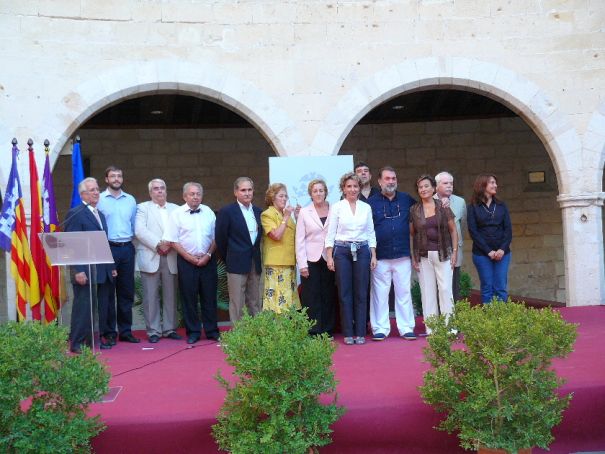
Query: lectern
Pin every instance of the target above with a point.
(80, 248)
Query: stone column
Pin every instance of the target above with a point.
(583, 243)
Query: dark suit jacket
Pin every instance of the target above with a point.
(80, 219)
(233, 239)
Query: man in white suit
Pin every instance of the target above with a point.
(157, 262)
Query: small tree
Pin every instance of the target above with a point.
(494, 382)
(274, 406)
(45, 392)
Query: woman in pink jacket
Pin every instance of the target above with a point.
(317, 281)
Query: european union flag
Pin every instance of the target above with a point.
(77, 173)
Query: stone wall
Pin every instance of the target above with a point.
(213, 157)
(216, 157)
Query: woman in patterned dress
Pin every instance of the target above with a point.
(279, 257)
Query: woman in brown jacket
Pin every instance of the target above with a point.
(432, 234)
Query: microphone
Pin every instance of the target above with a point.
(76, 211)
(51, 240)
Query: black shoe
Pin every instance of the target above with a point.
(193, 338)
(111, 340)
(153, 339)
(76, 349)
(214, 337)
(104, 345)
(129, 338)
(174, 335)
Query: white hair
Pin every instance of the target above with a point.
(156, 180)
(443, 174)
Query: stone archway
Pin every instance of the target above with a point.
(168, 76)
(562, 143)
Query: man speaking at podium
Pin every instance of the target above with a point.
(86, 218)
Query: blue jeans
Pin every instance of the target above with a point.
(352, 279)
(493, 276)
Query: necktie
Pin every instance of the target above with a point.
(96, 213)
(195, 211)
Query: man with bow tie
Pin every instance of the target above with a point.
(190, 231)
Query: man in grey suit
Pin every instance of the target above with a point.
(445, 189)
(157, 262)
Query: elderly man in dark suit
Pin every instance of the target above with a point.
(86, 218)
(238, 235)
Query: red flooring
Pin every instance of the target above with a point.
(169, 397)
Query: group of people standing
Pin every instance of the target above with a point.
(353, 250)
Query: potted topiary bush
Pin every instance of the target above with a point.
(45, 392)
(494, 381)
(274, 405)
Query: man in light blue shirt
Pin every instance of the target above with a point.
(120, 210)
(445, 189)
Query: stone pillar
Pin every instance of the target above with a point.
(583, 243)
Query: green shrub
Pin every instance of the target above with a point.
(274, 405)
(45, 392)
(494, 382)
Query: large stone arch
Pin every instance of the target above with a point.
(168, 76)
(584, 285)
(499, 83)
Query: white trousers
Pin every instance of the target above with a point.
(398, 271)
(435, 285)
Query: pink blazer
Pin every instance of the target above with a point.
(310, 237)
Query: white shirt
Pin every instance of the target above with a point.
(251, 223)
(346, 226)
(193, 231)
(163, 210)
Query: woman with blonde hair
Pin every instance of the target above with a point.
(351, 253)
(279, 258)
(316, 279)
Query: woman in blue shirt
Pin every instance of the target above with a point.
(490, 228)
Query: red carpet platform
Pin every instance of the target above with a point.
(168, 397)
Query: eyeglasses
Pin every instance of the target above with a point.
(384, 208)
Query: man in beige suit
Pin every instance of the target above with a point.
(157, 262)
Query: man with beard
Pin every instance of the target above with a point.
(390, 212)
(366, 191)
(120, 210)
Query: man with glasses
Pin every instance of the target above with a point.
(445, 189)
(390, 212)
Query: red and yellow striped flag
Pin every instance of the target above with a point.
(40, 261)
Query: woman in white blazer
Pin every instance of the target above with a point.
(317, 280)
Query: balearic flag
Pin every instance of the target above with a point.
(51, 224)
(12, 225)
(77, 173)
